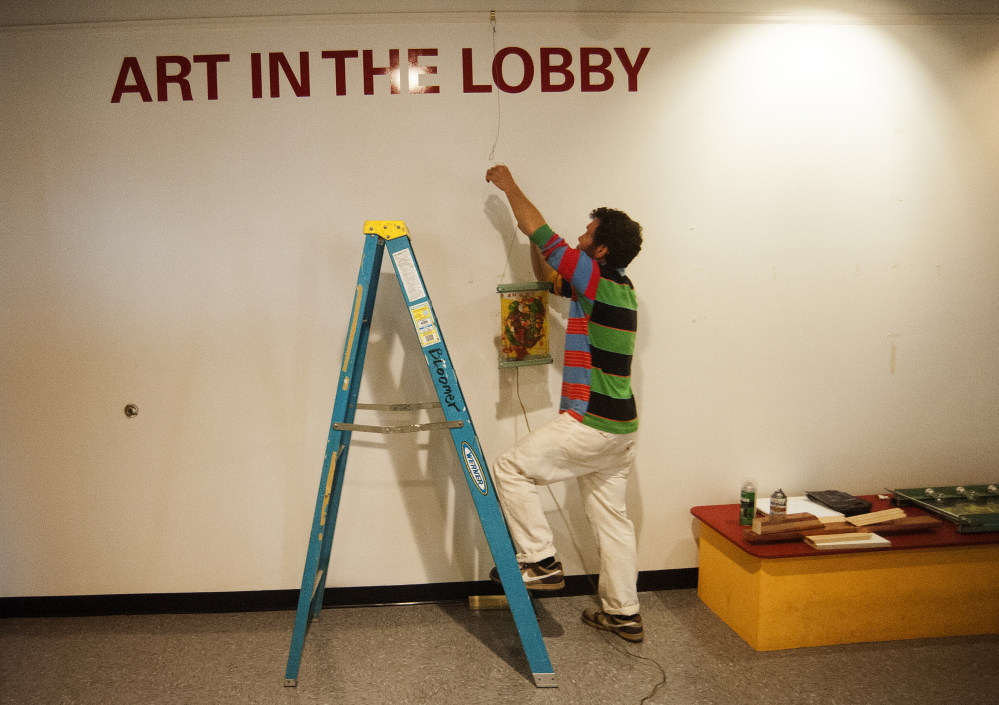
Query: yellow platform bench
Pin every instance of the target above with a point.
(790, 595)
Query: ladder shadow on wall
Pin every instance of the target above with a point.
(431, 483)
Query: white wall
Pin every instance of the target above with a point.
(818, 289)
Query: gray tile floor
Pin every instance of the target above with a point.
(445, 653)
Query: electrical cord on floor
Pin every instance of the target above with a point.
(611, 640)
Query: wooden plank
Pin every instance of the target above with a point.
(776, 537)
(904, 525)
(792, 522)
(876, 517)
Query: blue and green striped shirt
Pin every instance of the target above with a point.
(600, 336)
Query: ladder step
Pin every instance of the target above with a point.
(400, 407)
(412, 428)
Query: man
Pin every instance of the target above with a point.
(594, 437)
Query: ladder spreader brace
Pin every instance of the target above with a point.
(392, 235)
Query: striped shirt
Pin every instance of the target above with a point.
(599, 338)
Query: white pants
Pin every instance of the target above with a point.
(601, 461)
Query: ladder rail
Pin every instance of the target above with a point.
(335, 460)
(346, 399)
(477, 476)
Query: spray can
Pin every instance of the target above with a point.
(747, 503)
(778, 504)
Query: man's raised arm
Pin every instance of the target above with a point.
(528, 217)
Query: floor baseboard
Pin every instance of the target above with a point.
(271, 600)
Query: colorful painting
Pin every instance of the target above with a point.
(524, 327)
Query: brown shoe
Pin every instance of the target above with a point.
(628, 628)
(537, 577)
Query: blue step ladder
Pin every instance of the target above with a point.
(394, 236)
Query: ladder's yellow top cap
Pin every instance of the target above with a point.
(386, 229)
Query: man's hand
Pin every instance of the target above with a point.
(528, 217)
(501, 177)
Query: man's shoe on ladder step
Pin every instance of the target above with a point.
(544, 575)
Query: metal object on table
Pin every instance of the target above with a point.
(974, 508)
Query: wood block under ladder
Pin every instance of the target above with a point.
(488, 602)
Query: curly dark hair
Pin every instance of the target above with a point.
(620, 234)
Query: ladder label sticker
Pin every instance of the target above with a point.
(474, 468)
(423, 319)
(409, 275)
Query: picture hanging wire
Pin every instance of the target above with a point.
(492, 152)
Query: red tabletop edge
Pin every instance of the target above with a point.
(724, 518)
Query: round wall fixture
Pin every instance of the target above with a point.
(131, 411)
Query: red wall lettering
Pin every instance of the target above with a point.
(547, 69)
(589, 68)
(370, 71)
(277, 63)
(180, 78)
(340, 59)
(415, 70)
(256, 76)
(512, 70)
(299, 84)
(212, 62)
(467, 81)
(130, 67)
(595, 72)
(528, 75)
(164, 77)
(632, 69)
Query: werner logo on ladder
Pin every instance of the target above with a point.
(394, 237)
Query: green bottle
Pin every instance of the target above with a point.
(747, 503)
